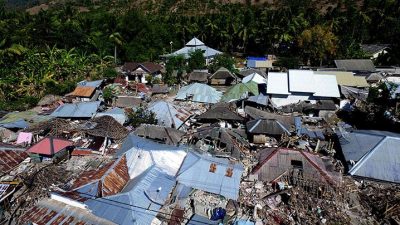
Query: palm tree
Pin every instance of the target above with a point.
(116, 38)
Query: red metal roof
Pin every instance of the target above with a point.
(50, 146)
(10, 159)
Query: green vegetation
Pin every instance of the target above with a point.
(141, 116)
(51, 50)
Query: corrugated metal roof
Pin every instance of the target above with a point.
(240, 91)
(382, 162)
(326, 86)
(150, 191)
(255, 77)
(196, 219)
(142, 153)
(95, 83)
(267, 126)
(259, 99)
(355, 65)
(83, 91)
(200, 93)
(54, 212)
(302, 81)
(278, 100)
(192, 46)
(10, 159)
(195, 173)
(77, 110)
(278, 83)
(346, 78)
(357, 143)
(168, 114)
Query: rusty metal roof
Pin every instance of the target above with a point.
(106, 181)
(54, 212)
(83, 91)
(10, 159)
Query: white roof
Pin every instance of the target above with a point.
(194, 42)
(279, 101)
(278, 83)
(254, 77)
(185, 51)
(326, 86)
(301, 81)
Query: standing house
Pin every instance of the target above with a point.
(139, 71)
(300, 85)
(261, 63)
(193, 45)
(375, 50)
(223, 77)
(199, 93)
(80, 110)
(83, 94)
(200, 76)
(49, 147)
(371, 154)
(277, 162)
(356, 65)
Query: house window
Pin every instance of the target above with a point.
(229, 172)
(297, 164)
(213, 167)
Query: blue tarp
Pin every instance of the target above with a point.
(20, 124)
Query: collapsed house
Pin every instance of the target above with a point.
(170, 115)
(220, 113)
(260, 129)
(138, 183)
(223, 77)
(281, 164)
(167, 135)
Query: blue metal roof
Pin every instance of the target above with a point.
(195, 173)
(77, 110)
(95, 83)
(257, 58)
(382, 162)
(196, 219)
(301, 130)
(139, 202)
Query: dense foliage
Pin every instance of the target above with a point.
(47, 51)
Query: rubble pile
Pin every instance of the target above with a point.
(201, 156)
(381, 200)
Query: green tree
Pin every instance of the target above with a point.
(175, 67)
(141, 116)
(222, 60)
(317, 43)
(196, 60)
(116, 38)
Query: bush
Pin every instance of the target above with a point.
(142, 116)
